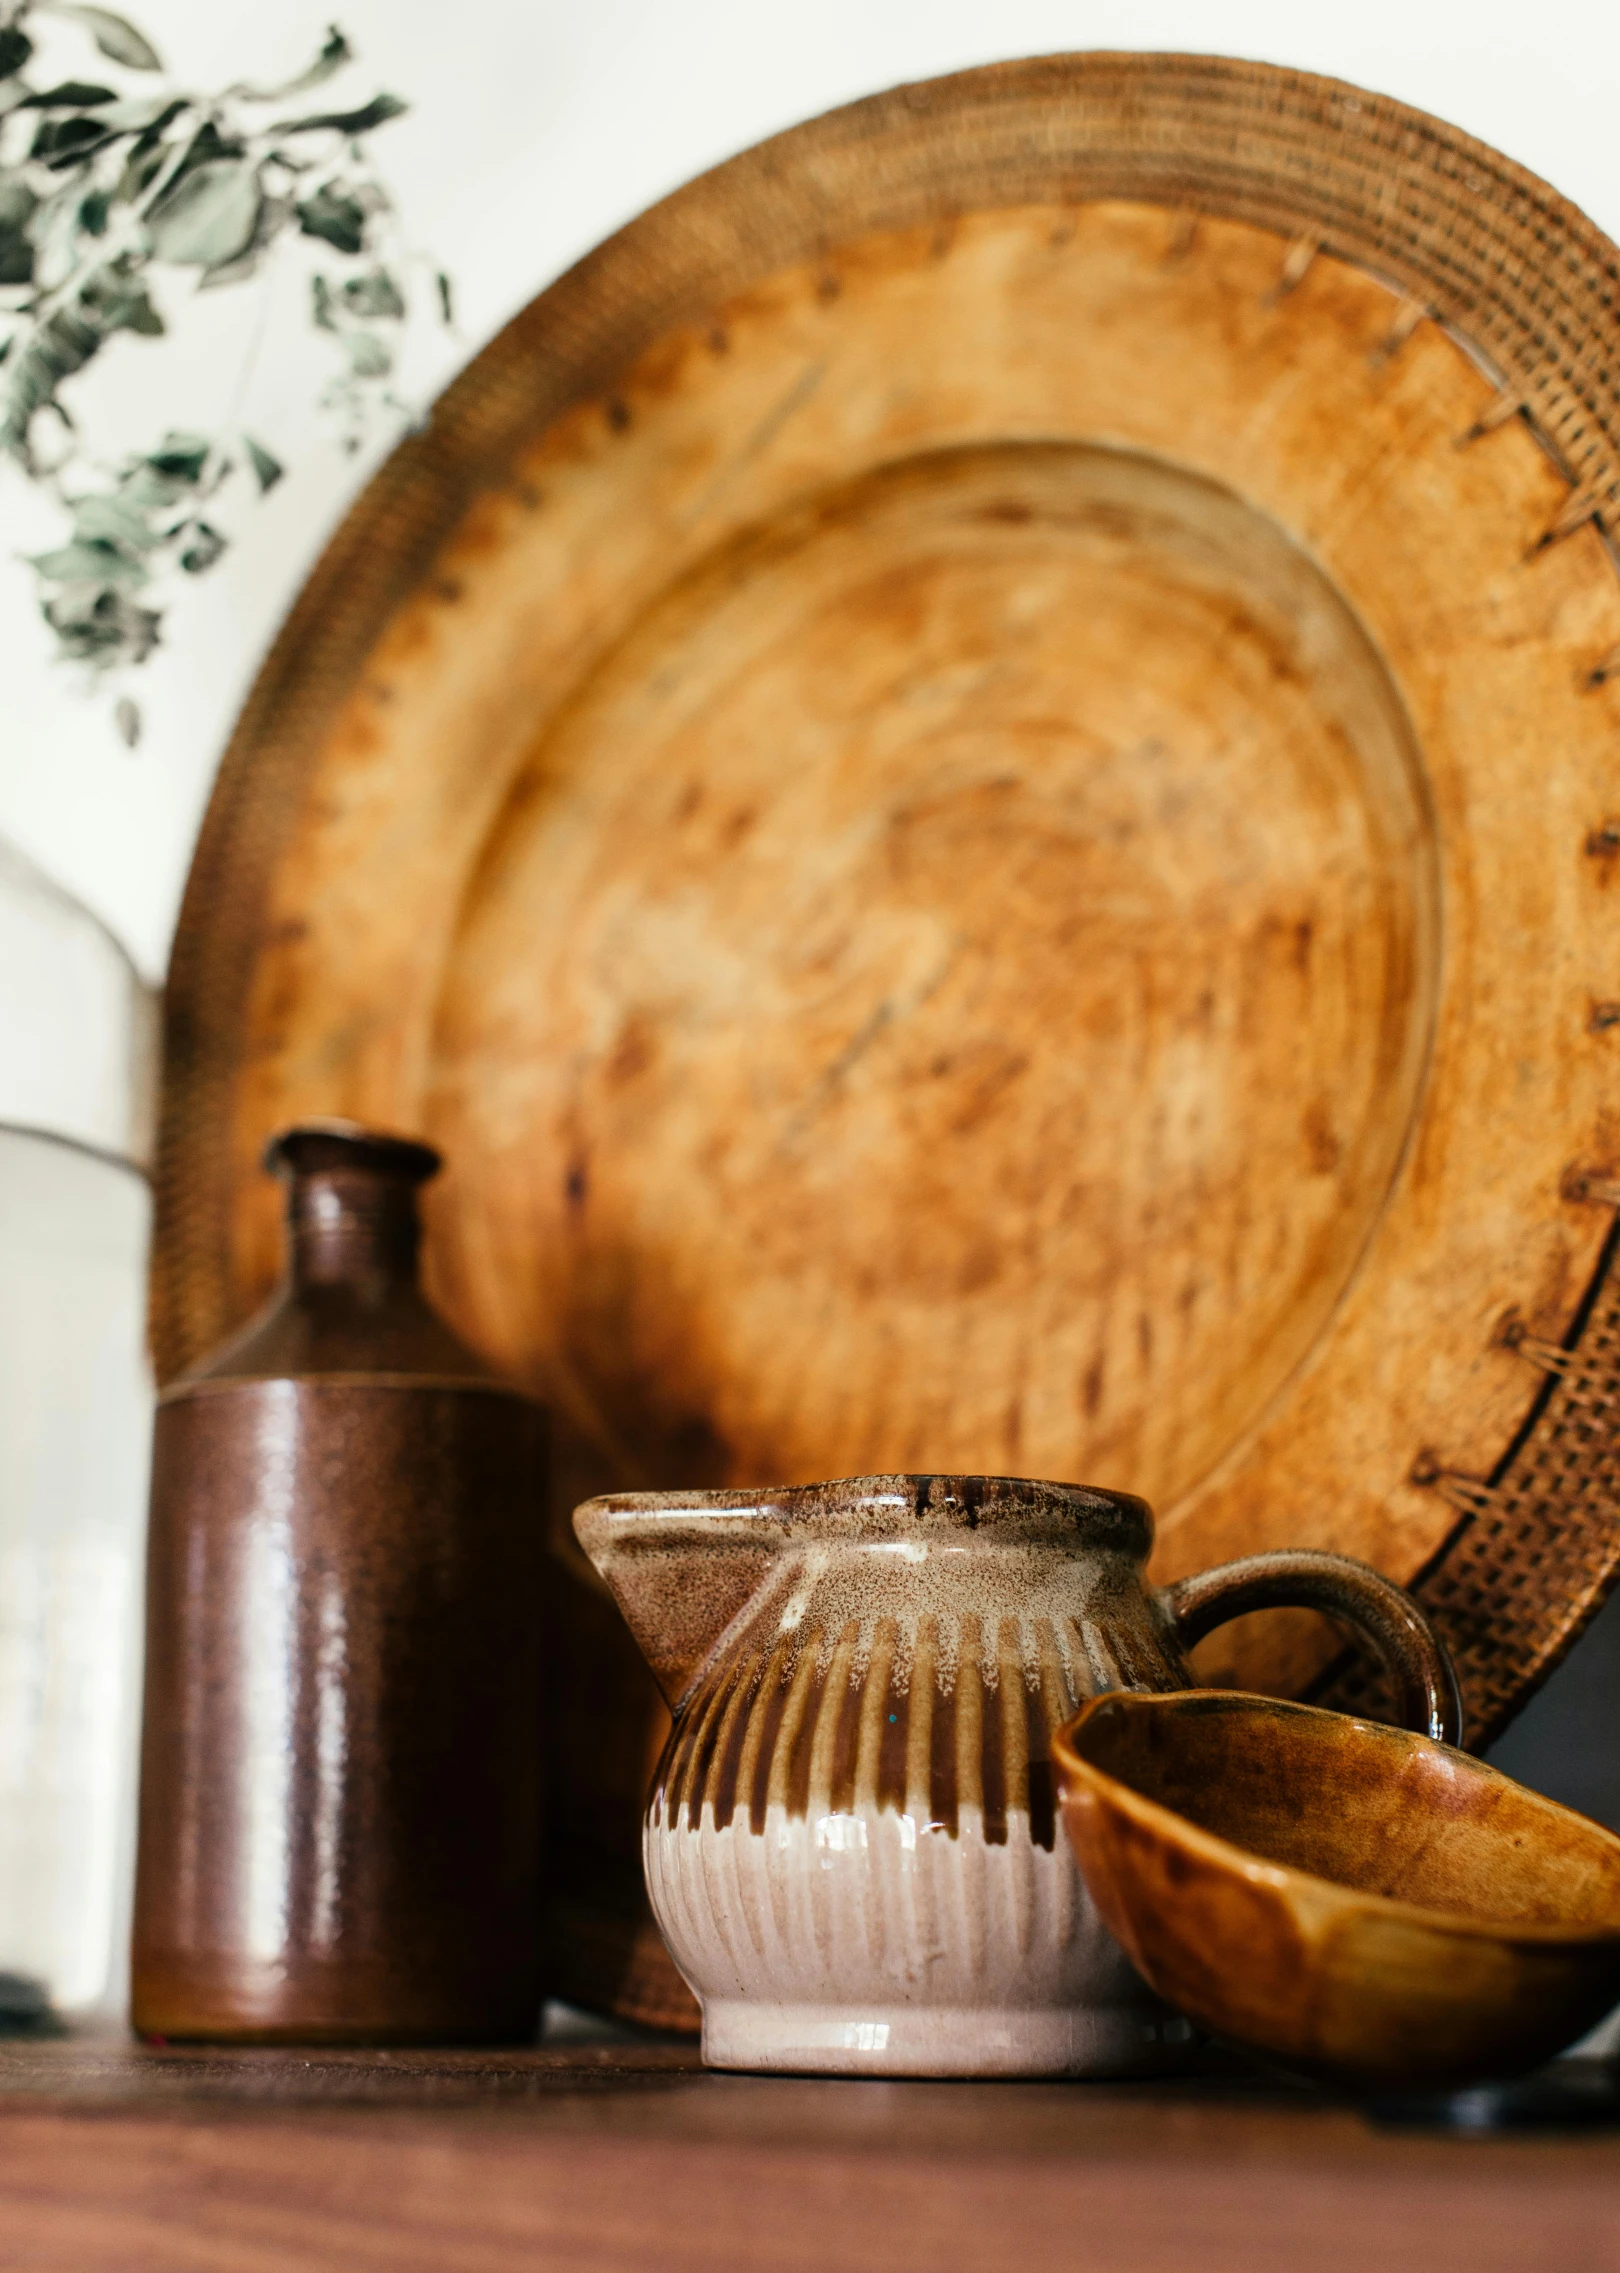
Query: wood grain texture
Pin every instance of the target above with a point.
(628, 2160)
(952, 989)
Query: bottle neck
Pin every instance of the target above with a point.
(352, 1228)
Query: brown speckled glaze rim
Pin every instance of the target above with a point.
(855, 1508)
(1516, 272)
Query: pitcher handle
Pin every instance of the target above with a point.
(1410, 1650)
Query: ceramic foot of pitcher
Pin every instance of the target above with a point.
(940, 2040)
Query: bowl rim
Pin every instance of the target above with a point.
(1280, 1877)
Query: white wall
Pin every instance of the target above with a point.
(539, 126)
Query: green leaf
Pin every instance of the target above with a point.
(68, 141)
(447, 301)
(235, 271)
(148, 491)
(206, 145)
(321, 304)
(55, 237)
(117, 39)
(113, 520)
(97, 564)
(117, 297)
(17, 206)
(93, 213)
(138, 113)
(335, 52)
(53, 232)
(377, 112)
(102, 627)
(180, 457)
(63, 344)
(274, 215)
(204, 549)
(140, 171)
(208, 142)
(334, 216)
(152, 135)
(373, 295)
(72, 94)
(267, 470)
(15, 49)
(369, 356)
(127, 719)
(208, 217)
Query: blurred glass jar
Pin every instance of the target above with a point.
(77, 1070)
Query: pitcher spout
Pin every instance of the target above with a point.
(681, 1566)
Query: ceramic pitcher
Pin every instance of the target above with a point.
(851, 1845)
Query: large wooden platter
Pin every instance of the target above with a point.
(970, 780)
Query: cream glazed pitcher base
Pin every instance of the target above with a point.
(851, 1847)
(867, 1943)
(944, 2040)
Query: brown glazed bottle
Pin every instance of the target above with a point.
(340, 1804)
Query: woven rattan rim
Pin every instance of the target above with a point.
(1520, 276)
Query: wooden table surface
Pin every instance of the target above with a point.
(607, 2156)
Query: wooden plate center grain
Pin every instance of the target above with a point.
(954, 983)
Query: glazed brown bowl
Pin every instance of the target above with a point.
(1353, 1901)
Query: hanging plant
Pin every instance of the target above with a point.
(110, 196)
